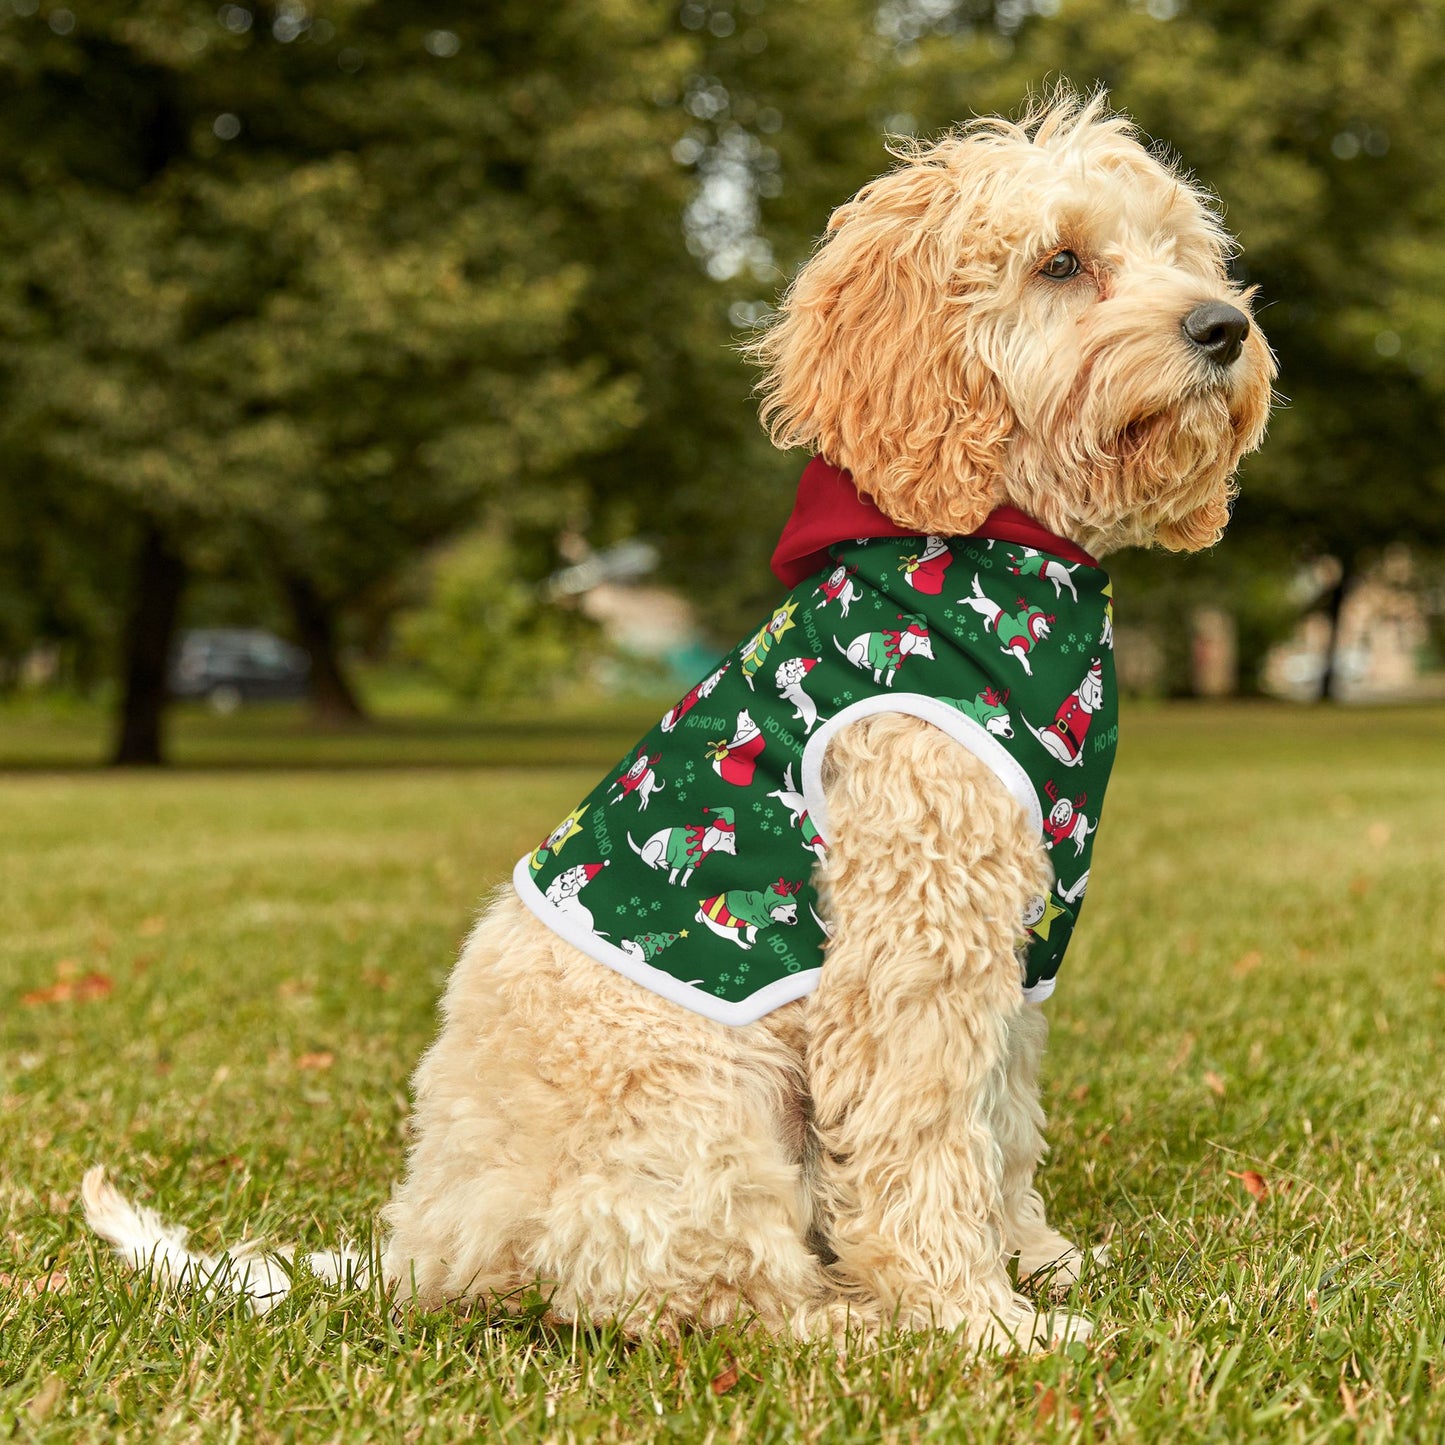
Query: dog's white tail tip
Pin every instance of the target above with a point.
(147, 1243)
(151, 1246)
(139, 1235)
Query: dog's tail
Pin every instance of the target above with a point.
(147, 1243)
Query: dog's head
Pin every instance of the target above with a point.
(1035, 313)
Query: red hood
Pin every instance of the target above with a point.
(828, 510)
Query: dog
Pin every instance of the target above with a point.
(639, 781)
(1019, 632)
(1032, 317)
(1030, 563)
(790, 677)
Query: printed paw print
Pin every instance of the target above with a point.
(636, 902)
(757, 807)
(655, 906)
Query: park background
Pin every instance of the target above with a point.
(408, 333)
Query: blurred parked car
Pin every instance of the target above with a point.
(230, 665)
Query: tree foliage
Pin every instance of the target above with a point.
(315, 287)
(308, 290)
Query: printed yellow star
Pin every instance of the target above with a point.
(1051, 912)
(569, 827)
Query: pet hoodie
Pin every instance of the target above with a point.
(688, 869)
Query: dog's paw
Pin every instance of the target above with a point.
(1059, 1328)
(1023, 1326)
(1058, 1270)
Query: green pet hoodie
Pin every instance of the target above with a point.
(689, 867)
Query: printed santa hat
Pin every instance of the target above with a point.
(593, 869)
(794, 670)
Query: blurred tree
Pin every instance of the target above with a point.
(327, 284)
(324, 285)
(781, 112)
(482, 631)
(295, 282)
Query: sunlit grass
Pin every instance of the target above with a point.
(253, 959)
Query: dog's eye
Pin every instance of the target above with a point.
(1060, 266)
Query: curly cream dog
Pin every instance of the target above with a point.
(1031, 314)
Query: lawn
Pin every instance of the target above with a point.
(216, 980)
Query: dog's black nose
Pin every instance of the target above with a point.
(1218, 330)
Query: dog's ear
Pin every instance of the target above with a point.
(873, 362)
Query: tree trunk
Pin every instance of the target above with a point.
(160, 578)
(1334, 607)
(333, 700)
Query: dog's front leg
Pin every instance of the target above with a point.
(1019, 1126)
(926, 880)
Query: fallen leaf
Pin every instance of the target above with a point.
(722, 1383)
(1360, 885)
(1440, 980)
(1047, 1407)
(1214, 1083)
(1255, 1184)
(56, 1282)
(322, 1059)
(66, 990)
(1080, 1094)
(1247, 963)
(56, 993)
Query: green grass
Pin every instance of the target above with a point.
(1257, 986)
(407, 727)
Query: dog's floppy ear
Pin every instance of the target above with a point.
(872, 362)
